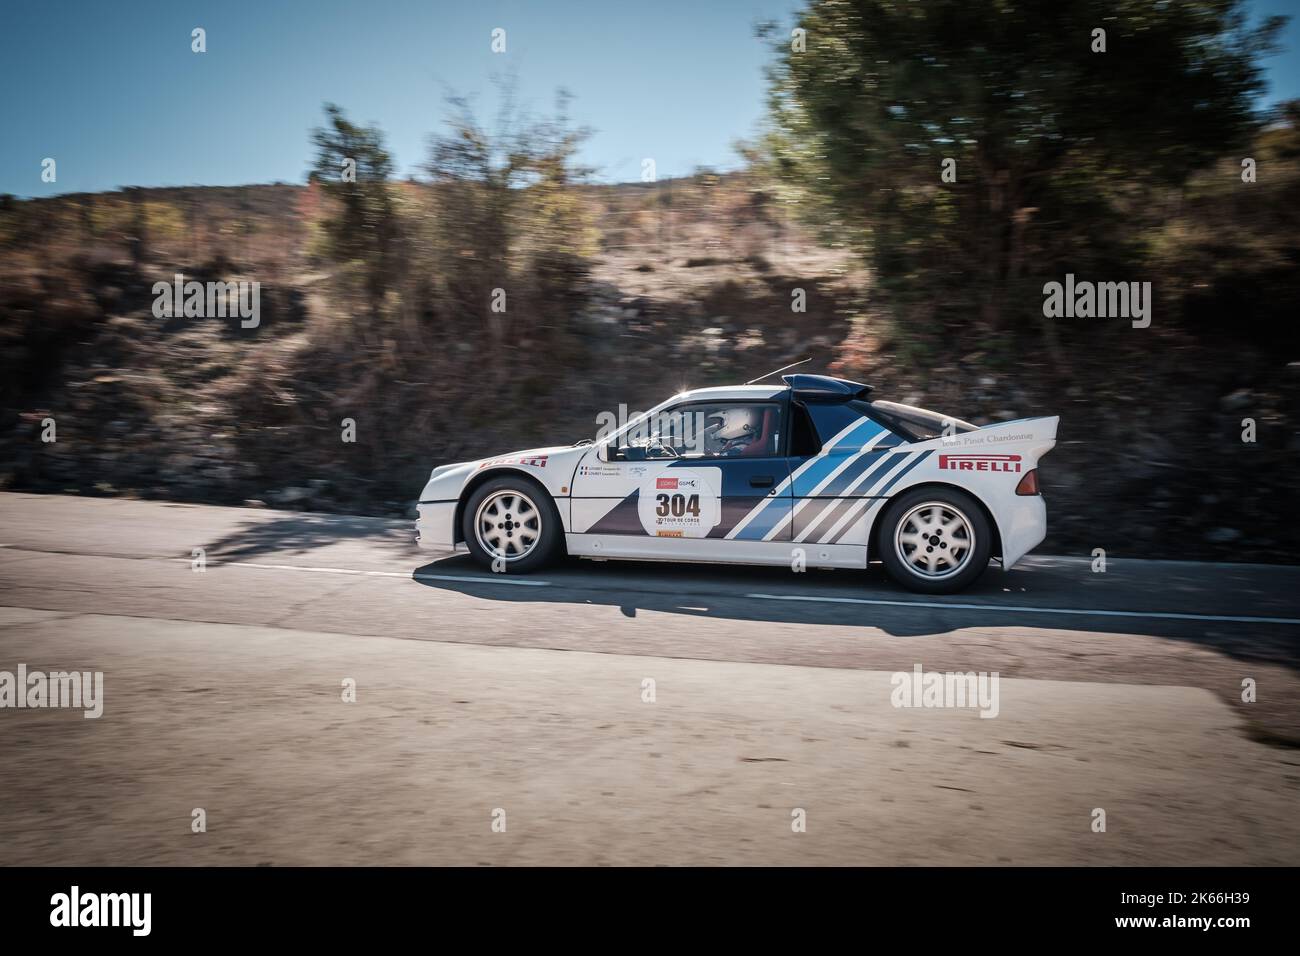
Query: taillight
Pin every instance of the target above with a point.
(1028, 484)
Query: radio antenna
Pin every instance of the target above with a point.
(774, 371)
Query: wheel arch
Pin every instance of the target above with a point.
(878, 526)
(483, 477)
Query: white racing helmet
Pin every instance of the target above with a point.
(731, 427)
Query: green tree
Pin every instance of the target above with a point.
(1058, 147)
(507, 216)
(363, 228)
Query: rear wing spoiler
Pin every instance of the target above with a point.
(1032, 437)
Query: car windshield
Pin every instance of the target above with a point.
(637, 429)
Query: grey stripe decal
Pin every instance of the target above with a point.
(882, 492)
(898, 477)
(623, 518)
(882, 467)
(837, 511)
(862, 504)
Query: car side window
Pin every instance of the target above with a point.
(804, 442)
(708, 430)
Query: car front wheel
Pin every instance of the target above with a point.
(935, 540)
(511, 525)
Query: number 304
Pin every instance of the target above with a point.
(677, 505)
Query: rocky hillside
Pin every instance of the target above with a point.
(687, 283)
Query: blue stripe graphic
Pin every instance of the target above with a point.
(880, 494)
(821, 512)
(848, 475)
(878, 467)
(831, 511)
(816, 470)
(778, 509)
(898, 477)
(832, 458)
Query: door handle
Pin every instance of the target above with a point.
(761, 481)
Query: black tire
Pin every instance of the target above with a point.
(901, 537)
(523, 506)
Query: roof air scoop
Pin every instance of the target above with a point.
(823, 388)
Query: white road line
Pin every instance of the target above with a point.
(935, 605)
(1083, 612)
(496, 579)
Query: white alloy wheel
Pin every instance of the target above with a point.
(934, 540)
(508, 525)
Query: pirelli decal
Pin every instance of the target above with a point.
(979, 462)
(535, 461)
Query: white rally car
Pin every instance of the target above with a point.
(813, 473)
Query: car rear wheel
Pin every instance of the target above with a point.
(511, 525)
(935, 540)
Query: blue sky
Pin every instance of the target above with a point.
(111, 90)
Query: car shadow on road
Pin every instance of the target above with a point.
(857, 599)
(292, 533)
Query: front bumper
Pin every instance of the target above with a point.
(435, 528)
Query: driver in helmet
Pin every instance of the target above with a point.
(730, 430)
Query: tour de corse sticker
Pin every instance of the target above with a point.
(677, 503)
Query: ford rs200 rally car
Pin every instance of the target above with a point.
(814, 473)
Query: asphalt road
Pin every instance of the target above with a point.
(485, 699)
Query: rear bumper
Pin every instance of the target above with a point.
(435, 528)
(1023, 527)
